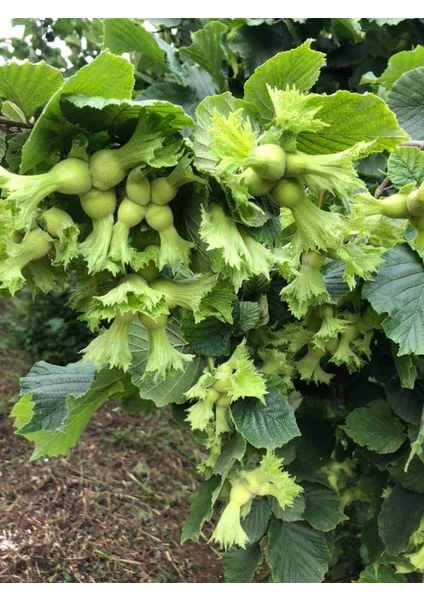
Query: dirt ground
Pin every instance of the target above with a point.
(110, 512)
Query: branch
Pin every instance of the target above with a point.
(382, 187)
(17, 124)
(416, 143)
(385, 183)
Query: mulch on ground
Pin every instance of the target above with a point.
(109, 512)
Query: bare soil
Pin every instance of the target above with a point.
(109, 512)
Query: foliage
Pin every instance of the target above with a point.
(45, 327)
(234, 249)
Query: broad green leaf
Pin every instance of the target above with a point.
(397, 289)
(174, 92)
(399, 518)
(406, 367)
(375, 428)
(79, 411)
(116, 111)
(15, 143)
(413, 478)
(50, 386)
(352, 118)
(247, 316)
(107, 75)
(240, 565)
(333, 278)
(210, 337)
(380, 574)
(348, 28)
(406, 403)
(256, 44)
(232, 451)
(299, 67)
(165, 391)
(224, 104)
(256, 522)
(297, 553)
(208, 50)
(406, 164)
(289, 513)
(220, 301)
(399, 64)
(201, 509)
(406, 99)
(126, 35)
(12, 111)
(29, 85)
(268, 425)
(323, 507)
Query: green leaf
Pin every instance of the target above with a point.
(289, 513)
(116, 111)
(323, 507)
(398, 289)
(126, 35)
(413, 478)
(406, 367)
(220, 301)
(333, 279)
(297, 553)
(107, 75)
(399, 64)
(348, 28)
(164, 391)
(352, 118)
(256, 522)
(406, 99)
(233, 451)
(208, 50)
(406, 403)
(268, 425)
(406, 164)
(201, 509)
(256, 44)
(12, 111)
(399, 518)
(210, 337)
(380, 574)
(375, 428)
(240, 565)
(224, 104)
(15, 143)
(176, 93)
(50, 386)
(299, 67)
(247, 316)
(79, 411)
(29, 85)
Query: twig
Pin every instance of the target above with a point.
(383, 185)
(16, 124)
(416, 143)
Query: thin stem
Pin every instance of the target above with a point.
(382, 187)
(17, 124)
(416, 143)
